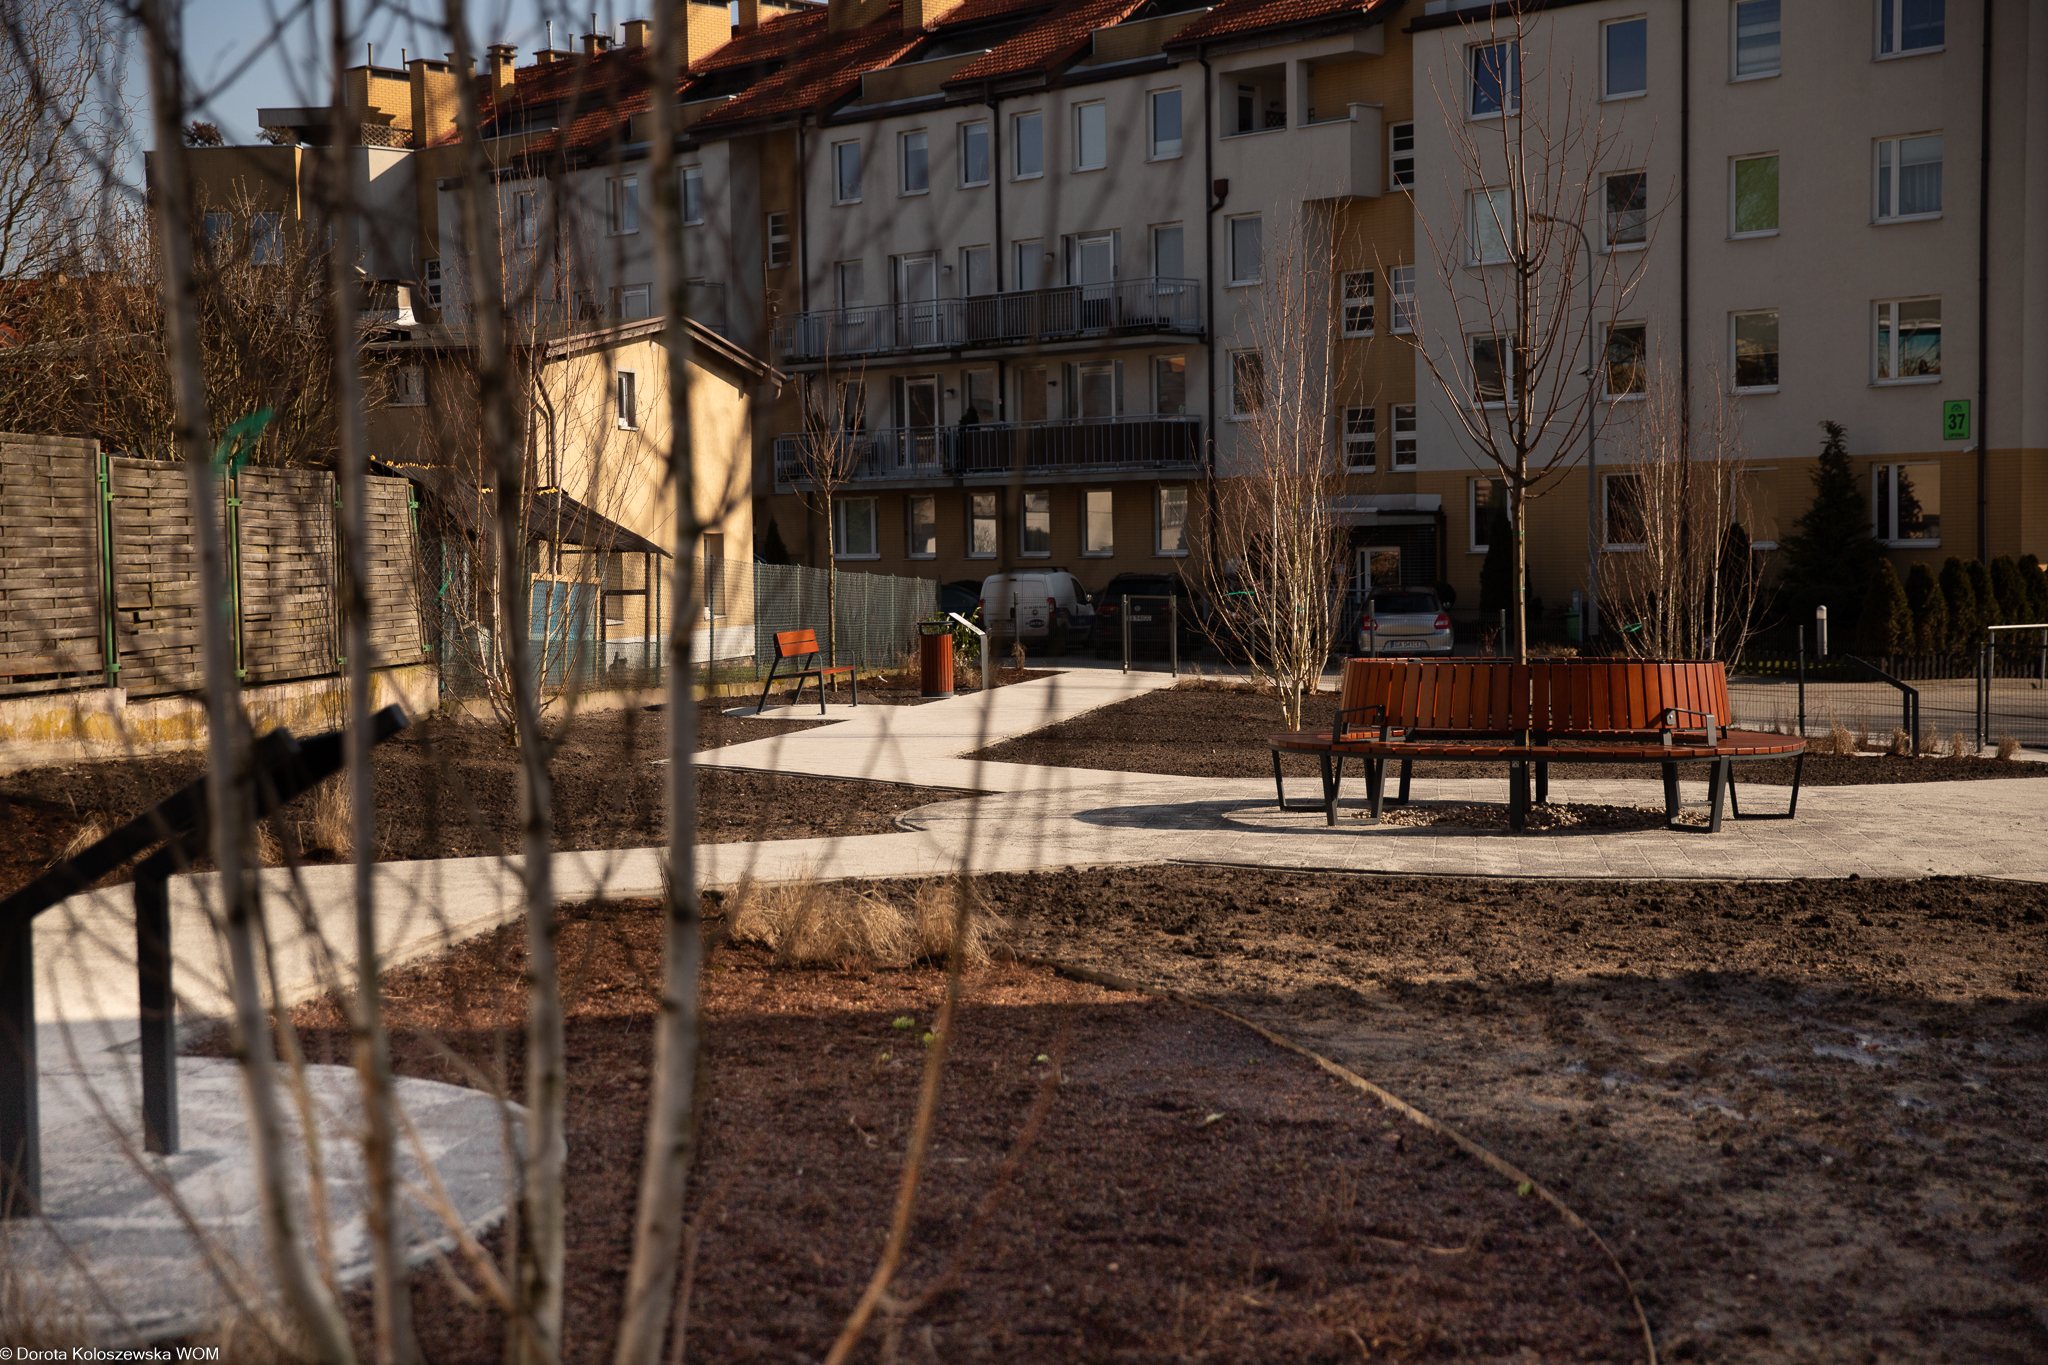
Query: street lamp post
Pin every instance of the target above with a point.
(1589, 618)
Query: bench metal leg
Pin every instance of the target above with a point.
(1670, 791)
(1717, 787)
(1518, 796)
(762, 704)
(1376, 788)
(1407, 770)
(21, 1160)
(159, 1015)
(1333, 778)
(1735, 806)
(1279, 789)
(1798, 770)
(1542, 784)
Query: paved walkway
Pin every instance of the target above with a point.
(145, 1276)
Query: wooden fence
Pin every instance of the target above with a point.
(99, 571)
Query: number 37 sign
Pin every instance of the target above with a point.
(1955, 420)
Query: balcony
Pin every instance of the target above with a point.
(989, 320)
(1078, 448)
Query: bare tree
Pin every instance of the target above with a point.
(1679, 568)
(59, 128)
(1270, 554)
(828, 455)
(1505, 351)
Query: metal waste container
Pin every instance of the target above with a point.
(935, 658)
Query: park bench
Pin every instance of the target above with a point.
(1532, 715)
(801, 646)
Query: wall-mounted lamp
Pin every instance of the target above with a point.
(952, 393)
(1050, 257)
(945, 269)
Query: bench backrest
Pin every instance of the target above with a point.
(790, 644)
(1493, 696)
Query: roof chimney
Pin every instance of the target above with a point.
(504, 57)
(636, 32)
(843, 16)
(595, 43)
(919, 15)
(750, 14)
(434, 99)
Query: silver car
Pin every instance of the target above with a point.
(1404, 621)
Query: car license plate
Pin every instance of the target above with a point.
(1136, 617)
(1392, 645)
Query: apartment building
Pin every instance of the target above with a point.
(1820, 211)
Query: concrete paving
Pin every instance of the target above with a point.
(110, 1225)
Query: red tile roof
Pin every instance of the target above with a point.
(1055, 39)
(1234, 17)
(823, 69)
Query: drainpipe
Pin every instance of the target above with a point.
(1984, 296)
(995, 180)
(1685, 228)
(1214, 202)
(803, 225)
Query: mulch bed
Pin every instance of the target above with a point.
(448, 787)
(1808, 1116)
(1206, 730)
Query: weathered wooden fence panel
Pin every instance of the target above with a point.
(284, 533)
(392, 572)
(155, 578)
(51, 624)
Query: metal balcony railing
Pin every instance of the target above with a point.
(1153, 304)
(1080, 446)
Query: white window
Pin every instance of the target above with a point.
(1910, 26)
(1754, 196)
(846, 172)
(1627, 211)
(1493, 371)
(982, 531)
(1357, 300)
(1401, 156)
(409, 387)
(431, 270)
(634, 301)
(1756, 39)
(1030, 263)
(1490, 226)
(1170, 525)
(1246, 249)
(1625, 58)
(693, 195)
(778, 240)
(1170, 385)
(1247, 380)
(1401, 285)
(628, 398)
(624, 197)
(1035, 532)
(979, 388)
(1625, 371)
(974, 154)
(1027, 145)
(915, 153)
(1908, 341)
(1098, 525)
(1091, 136)
(853, 290)
(1489, 499)
(1495, 71)
(1361, 440)
(1905, 504)
(1165, 124)
(266, 238)
(1404, 436)
(1755, 351)
(921, 515)
(525, 219)
(1621, 500)
(977, 271)
(853, 529)
(1909, 177)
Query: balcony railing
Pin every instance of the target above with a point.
(1146, 305)
(1093, 445)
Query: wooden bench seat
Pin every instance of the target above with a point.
(801, 646)
(1524, 715)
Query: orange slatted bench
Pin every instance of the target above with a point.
(802, 647)
(1582, 711)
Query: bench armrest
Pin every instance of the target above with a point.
(1378, 714)
(1667, 724)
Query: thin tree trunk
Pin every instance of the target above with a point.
(537, 1335)
(229, 786)
(671, 1131)
(391, 1289)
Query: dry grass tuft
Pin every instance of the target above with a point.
(1017, 656)
(329, 817)
(1838, 742)
(2008, 747)
(36, 1314)
(1900, 745)
(1959, 747)
(96, 828)
(809, 922)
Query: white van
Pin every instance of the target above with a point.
(1026, 605)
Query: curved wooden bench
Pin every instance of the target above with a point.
(1581, 711)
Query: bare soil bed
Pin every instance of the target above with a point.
(448, 787)
(1811, 1118)
(1208, 730)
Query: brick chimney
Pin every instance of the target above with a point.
(919, 15)
(504, 57)
(435, 97)
(750, 14)
(637, 32)
(596, 43)
(843, 16)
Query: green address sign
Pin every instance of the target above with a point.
(1955, 420)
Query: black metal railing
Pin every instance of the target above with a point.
(1082, 446)
(1152, 304)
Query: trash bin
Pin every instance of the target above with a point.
(935, 658)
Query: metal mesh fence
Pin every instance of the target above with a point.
(2002, 690)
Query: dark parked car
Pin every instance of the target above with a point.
(960, 597)
(1149, 618)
